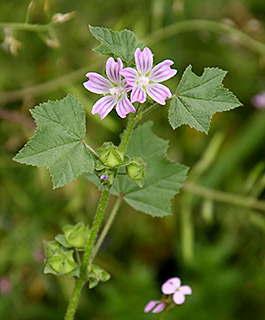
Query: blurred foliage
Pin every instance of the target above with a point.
(226, 270)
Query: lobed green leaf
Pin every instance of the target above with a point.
(121, 44)
(198, 98)
(58, 143)
(163, 177)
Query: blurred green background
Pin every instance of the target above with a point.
(216, 248)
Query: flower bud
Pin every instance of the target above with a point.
(59, 260)
(110, 155)
(136, 170)
(77, 235)
(96, 274)
(62, 262)
(63, 17)
(50, 248)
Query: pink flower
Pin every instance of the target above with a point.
(145, 79)
(258, 100)
(114, 90)
(173, 286)
(156, 305)
(5, 286)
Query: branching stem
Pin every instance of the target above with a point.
(87, 258)
(106, 227)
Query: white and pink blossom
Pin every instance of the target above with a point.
(173, 286)
(114, 90)
(145, 80)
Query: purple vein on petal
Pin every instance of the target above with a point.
(143, 60)
(124, 106)
(130, 75)
(104, 105)
(158, 92)
(138, 94)
(113, 70)
(97, 83)
(162, 71)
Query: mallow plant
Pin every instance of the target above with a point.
(137, 170)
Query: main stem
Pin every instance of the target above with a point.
(83, 270)
(128, 131)
(94, 231)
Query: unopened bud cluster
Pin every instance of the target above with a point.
(111, 158)
(60, 257)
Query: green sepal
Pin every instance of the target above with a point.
(96, 274)
(62, 240)
(99, 166)
(50, 247)
(136, 171)
(76, 235)
(111, 155)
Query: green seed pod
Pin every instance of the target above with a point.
(77, 235)
(110, 155)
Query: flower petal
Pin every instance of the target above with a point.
(171, 285)
(138, 94)
(143, 60)
(158, 92)
(113, 70)
(124, 106)
(97, 83)
(150, 305)
(130, 75)
(104, 105)
(185, 290)
(162, 71)
(127, 87)
(160, 307)
(178, 297)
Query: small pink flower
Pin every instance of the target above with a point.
(103, 177)
(114, 89)
(155, 305)
(258, 100)
(145, 79)
(5, 286)
(173, 286)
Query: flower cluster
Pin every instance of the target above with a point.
(140, 82)
(173, 293)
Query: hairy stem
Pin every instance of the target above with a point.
(226, 197)
(128, 131)
(207, 25)
(106, 227)
(72, 306)
(83, 270)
